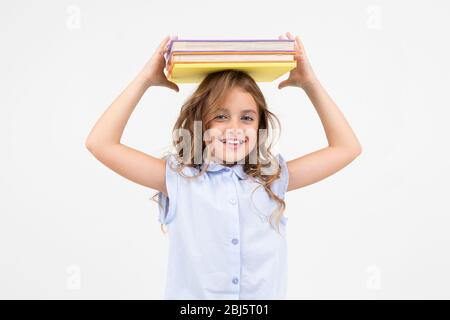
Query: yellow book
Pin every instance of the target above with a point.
(259, 71)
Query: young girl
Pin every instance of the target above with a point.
(222, 190)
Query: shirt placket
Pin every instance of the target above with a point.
(234, 234)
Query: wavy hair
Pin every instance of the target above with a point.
(202, 106)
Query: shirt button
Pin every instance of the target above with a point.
(232, 200)
(234, 241)
(235, 280)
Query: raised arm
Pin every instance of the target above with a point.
(104, 140)
(343, 145)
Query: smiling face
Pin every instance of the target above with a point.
(234, 127)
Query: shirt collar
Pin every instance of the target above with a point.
(238, 169)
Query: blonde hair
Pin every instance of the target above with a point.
(202, 106)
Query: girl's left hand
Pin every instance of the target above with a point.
(302, 75)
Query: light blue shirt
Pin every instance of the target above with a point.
(221, 245)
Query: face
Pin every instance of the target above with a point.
(234, 128)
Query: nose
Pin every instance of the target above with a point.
(235, 123)
(234, 130)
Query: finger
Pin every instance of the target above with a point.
(163, 43)
(289, 36)
(282, 84)
(299, 43)
(170, 40)
(282, 37)
(172, 86)
(169, 43)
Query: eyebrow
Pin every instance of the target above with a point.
(243, 111)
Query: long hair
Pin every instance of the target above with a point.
(202, 106)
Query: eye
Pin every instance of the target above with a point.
(219, 116)
(248, 118)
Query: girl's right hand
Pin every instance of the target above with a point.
(153, 71)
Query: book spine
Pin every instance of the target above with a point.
(234, 52)
(171, 65)
(170, 48)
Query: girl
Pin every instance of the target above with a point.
(220, 192)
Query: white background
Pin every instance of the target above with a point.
(71, 228)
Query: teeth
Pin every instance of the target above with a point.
(241, 141)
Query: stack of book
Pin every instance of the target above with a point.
(189, 61)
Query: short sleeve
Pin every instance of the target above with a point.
(167, 205)
(279, 186)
